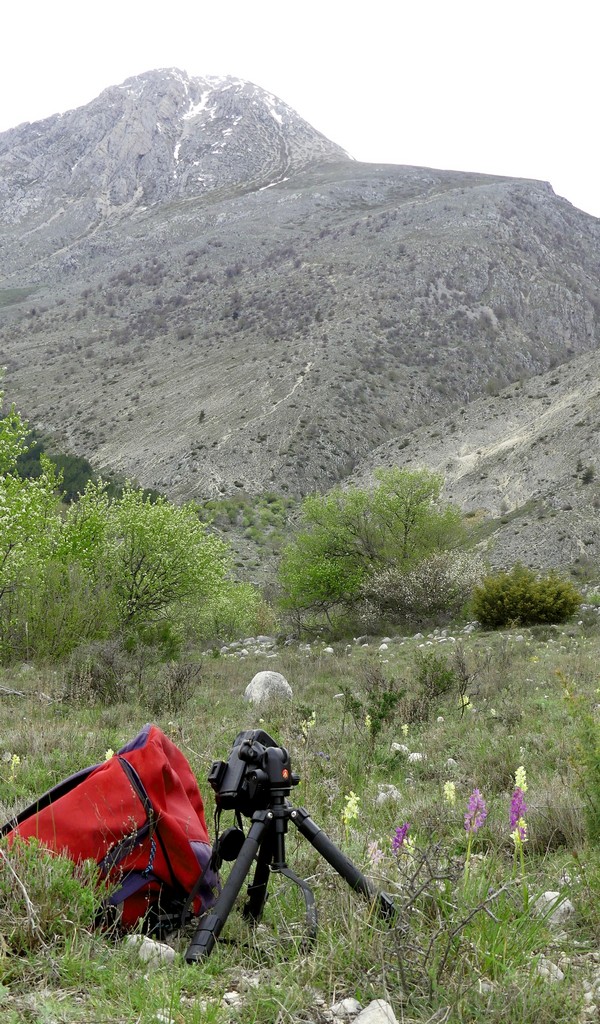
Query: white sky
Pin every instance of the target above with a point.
(507, 88)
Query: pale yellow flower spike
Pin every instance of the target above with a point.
(350, 812)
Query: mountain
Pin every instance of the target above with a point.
(156, 139)
(199, 290)
(523, 464)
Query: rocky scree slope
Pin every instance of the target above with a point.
(200, 291)
(523, 464)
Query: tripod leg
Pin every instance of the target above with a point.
(309, 902)
(257, 892)
(344, 867)
(211, 924)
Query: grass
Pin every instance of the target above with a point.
(465, 945)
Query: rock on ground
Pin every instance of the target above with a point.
(265, 686)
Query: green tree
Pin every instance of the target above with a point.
(160, 555)
(348, 535)
(29, 524)
(157, 559)
(414, 520)
(125, 564)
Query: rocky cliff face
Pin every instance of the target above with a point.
(202, 292)
(156, 138)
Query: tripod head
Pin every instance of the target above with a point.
(257, 773)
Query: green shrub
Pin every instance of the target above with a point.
(522, 598)
(98, 670)
(378, 704)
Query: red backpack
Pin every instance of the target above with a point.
(140, 816)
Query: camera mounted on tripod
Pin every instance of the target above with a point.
(256, 781)
(257, 771)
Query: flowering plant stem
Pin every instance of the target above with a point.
(519, 861)
(468, 857)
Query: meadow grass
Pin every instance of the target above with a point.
(465, 944)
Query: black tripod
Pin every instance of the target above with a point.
(265, 842)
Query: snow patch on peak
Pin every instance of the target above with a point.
(224, 82)
(196, 108)
(275, 115)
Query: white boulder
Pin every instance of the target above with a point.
(266, 686)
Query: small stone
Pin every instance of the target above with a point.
(249, 980)
(383, 647)
(328, 650)
(560, 909)
(451, 763)
(377, 1012)
(150, 951)
(399, 748)
(416, 756)
(346, 1007)
(387, 793)
(549, 970)
(232, 998)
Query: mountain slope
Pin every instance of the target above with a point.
(527, 460)
(223, 303)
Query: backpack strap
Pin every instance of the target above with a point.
(126, 845)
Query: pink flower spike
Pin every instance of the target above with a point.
(518, 807)
(476, 812)
(399, 837)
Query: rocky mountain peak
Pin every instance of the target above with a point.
(158, 136)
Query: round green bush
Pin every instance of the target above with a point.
(523, 598)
